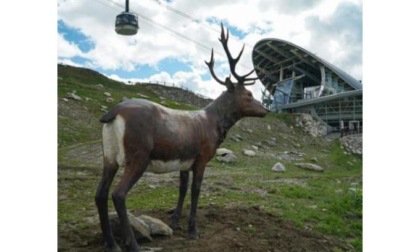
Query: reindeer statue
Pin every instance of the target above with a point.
(141, 135)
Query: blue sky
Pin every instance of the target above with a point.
(176, 37)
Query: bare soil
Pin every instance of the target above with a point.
(221, 229)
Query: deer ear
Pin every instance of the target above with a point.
(229, 84)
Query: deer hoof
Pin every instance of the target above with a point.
(175, 227)
(193, 235)
(115, 248)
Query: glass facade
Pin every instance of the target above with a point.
(282, 93)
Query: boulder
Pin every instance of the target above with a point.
(353, 143)
(140, 228)
(311, 126)
(156, 226)
(143, 226)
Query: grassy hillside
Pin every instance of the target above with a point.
(327, 203)
(78, 121)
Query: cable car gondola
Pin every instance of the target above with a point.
(126, 23)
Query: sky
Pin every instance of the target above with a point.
(176, 37)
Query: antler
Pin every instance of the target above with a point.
(233, 61)
(242, 80)
(227, 82)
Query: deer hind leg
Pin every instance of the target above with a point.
(198, 172)
(101, 199)
(183, 187)
(132, 173)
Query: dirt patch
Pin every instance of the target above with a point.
(221, 229)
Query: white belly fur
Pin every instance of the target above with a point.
(159, 166)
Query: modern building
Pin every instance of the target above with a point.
(299, 81)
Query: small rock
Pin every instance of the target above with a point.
(352, 190)
(74, 96)
(107, 94)
(99, 86)
(65, 99)
(309, 166)
(315, 159)
(270, 142)
(143, 96)
(249, 153)
(268, 127)
(227, 158)
(221, 151)
(278, 167)
(109, 100)
(233, 138)
(239, 137)
(254, 147)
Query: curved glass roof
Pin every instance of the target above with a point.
(270, 54)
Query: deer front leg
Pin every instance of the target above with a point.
(195, 193)
(132, 173)
(183, 186)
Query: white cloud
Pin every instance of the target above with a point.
(67, 49)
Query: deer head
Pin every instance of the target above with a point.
(237, 98)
